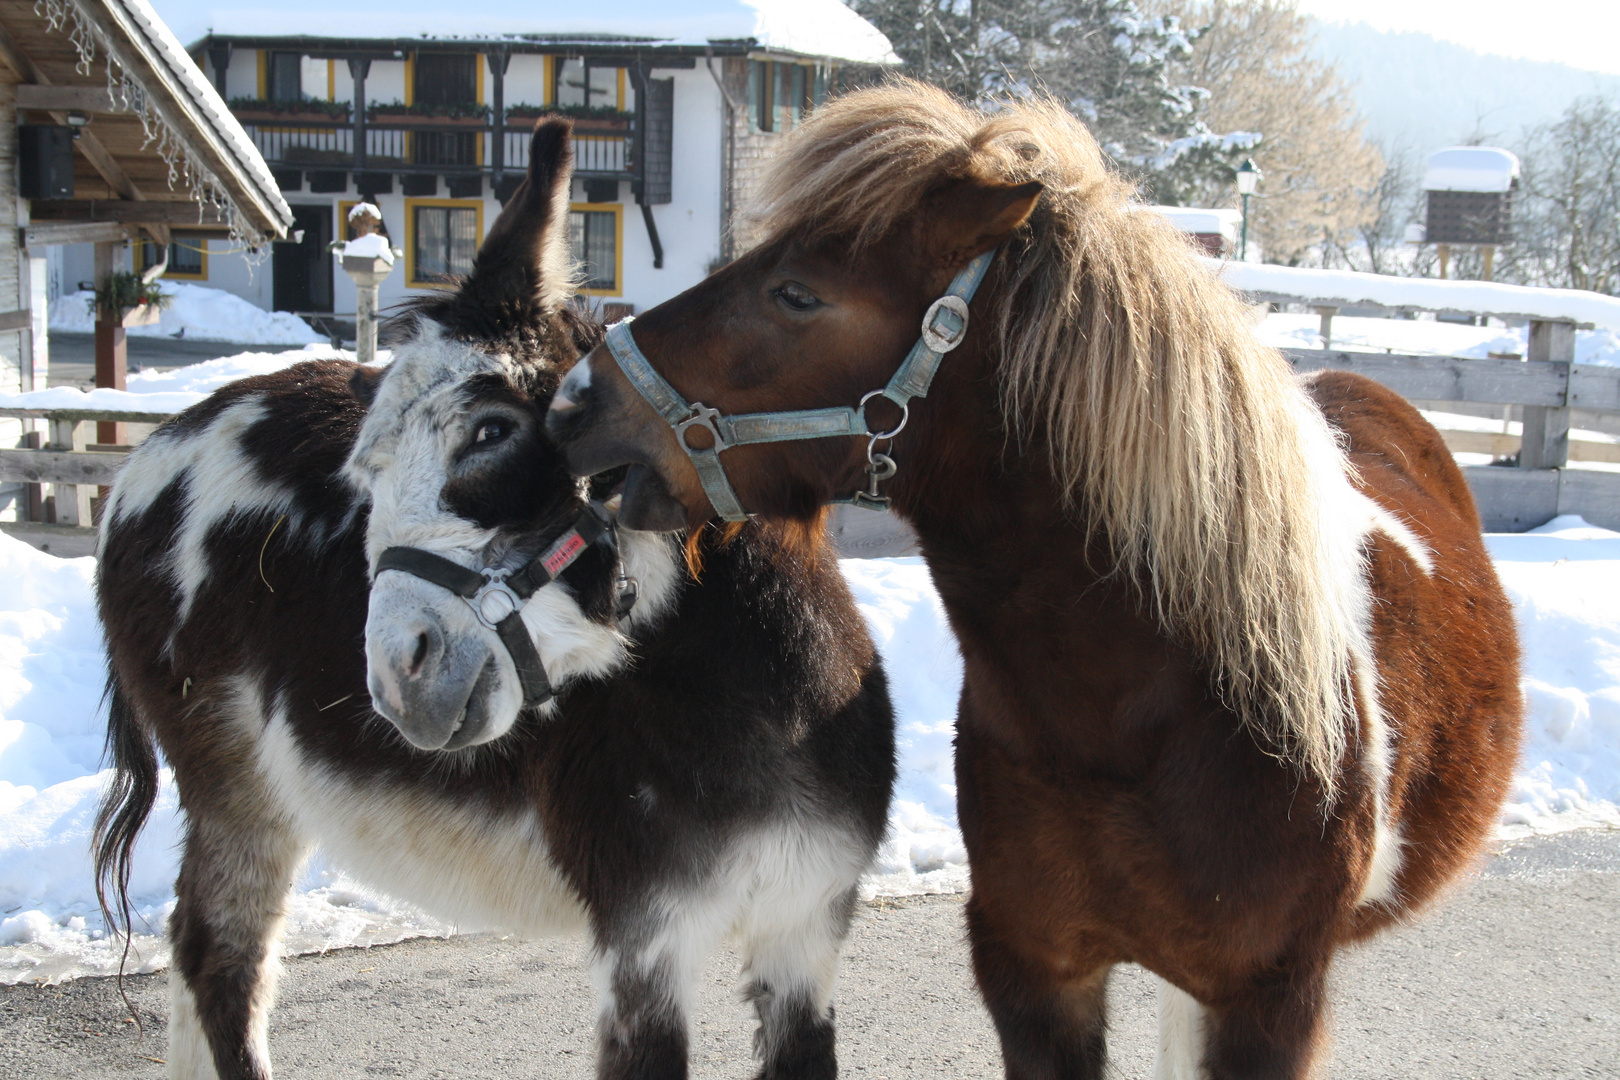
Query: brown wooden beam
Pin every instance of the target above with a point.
(85, 99)
(148, 212)
(49, 233)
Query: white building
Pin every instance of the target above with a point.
(426, 111)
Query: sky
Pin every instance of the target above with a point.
(1581, 33)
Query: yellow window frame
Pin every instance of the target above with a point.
(411, 206)
(617, 210)
(194, 242)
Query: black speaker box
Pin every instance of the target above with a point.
(44, 161)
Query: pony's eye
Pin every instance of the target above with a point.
(492, 431)
(797, 297)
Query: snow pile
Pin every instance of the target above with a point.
(203, 314)
(1426, 337)
(1563, 579)
(1347, 288)
(176, 389)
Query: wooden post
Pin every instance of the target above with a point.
(112, 348)
(1490, 261)
(1545, 444)
(1444, 251)
(72, 500)
(1326, 313)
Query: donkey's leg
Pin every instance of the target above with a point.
(1052, 1024)
(791, 963)
(643, 993)
(1273, 1030)
(231, 897)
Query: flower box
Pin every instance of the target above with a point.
(267, 118)
(140, 315)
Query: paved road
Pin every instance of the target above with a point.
(1518, 975)
(73, 356)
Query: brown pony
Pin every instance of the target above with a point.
(1241, 686)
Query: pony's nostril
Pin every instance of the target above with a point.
(421, 653)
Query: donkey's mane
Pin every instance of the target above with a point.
(1169, 429)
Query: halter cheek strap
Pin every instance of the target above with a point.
(943, 329)
(497, 596)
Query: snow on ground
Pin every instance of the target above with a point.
(1563, 578)
(204, 314)
(1426, 337)
(178, 388)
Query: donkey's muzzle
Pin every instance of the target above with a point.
(436, 694)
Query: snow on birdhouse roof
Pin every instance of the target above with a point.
(805, 27)
(1471, 168)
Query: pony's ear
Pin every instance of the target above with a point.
(363, 384)
(525, 257)
(972, 216)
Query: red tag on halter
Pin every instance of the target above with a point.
(563, 554)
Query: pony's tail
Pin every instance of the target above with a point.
(123, 813)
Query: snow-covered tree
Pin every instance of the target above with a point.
(1110, 63)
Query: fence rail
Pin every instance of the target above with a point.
(1510, 499)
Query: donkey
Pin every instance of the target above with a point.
(281, 581)
(1240, 684)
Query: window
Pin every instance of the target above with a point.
(188, 258)
(444, 238)
(445, 79)
(762, 95)
(596, 235)
(578, 82)
(283, 77)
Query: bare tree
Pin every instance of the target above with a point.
(1321, 186)
(1567, 223)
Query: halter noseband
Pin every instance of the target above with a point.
(943, 328)
(497, 596)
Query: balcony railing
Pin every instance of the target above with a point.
(428, 147)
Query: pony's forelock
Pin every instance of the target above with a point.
(1170, 430)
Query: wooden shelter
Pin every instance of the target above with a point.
(108, 131)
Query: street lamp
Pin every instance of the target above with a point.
(1248, 178)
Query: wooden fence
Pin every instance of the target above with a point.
(1546, 386)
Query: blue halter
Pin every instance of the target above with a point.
(943, 328)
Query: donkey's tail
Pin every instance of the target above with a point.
(124, 808)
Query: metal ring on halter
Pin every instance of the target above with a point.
(905, 414)
(494, 588)
(704, 417)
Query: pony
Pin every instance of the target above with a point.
(716, 762)
(1240, 684)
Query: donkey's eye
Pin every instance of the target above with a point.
(796, 297)
(492, 431)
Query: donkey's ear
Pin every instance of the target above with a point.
(525, 257)
(972, 216)
(363, 383)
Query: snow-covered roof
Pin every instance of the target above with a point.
(806, 27)
(178, 66)
(1347, 288)
(1471, 168)
(1202, 222)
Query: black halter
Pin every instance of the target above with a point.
(497, 596)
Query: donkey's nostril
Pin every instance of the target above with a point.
(420, 654)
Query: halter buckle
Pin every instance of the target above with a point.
(704, 417)
(495, 599)
(945, 324)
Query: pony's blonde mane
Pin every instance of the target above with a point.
(1170, 429)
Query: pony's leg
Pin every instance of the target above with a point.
(1179, 1055)
(1273, 1030)
(1053, 1025)
(791, 965)
(231, 899)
